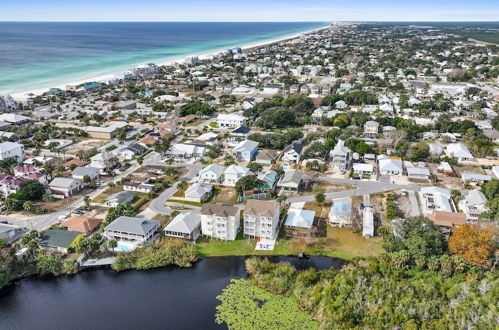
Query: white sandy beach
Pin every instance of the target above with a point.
(104, 78)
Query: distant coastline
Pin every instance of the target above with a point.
(105, 75)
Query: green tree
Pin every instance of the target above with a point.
(32, 189)
(419, 236)
(320, 197)
(246, 183)
(49, 264)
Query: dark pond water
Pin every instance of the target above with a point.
(168, 298)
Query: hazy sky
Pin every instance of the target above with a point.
(249, 10)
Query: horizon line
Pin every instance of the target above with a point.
(305, 21)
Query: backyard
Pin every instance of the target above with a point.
(338, 243)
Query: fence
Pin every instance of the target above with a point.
(244, 198)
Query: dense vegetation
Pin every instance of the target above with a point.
(276, 141)
(351, 98)
(246, 306)
(415, 285)
(380, 294)
(163, 252)
(491, 191)
(279, 112)
(196, 107)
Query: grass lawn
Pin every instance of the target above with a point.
(468, 168)
(184, 202)
(108, 192)
(164, 220)
(339, 243)
(181, 192)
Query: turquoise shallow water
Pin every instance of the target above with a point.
(44, 55)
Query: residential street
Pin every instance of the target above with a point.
(363, 187)
(42, 222)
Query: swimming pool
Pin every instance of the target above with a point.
(122, 248)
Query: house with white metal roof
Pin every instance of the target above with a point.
(213, 173)
(185, 225)
(390, 166)
(341, 212)
(299, 222)
(233, 173)
(198, 192)
(473, 205)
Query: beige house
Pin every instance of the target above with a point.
(106, 132)
(371, 128)
(261, 219)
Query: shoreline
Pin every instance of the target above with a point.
(21, 95)
(17, 280)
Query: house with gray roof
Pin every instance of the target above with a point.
(246, 150)
(65, 187)
(299, 222)
(185, 225)
(291, 180)
(198, 192)
(131, 232)
(81, 172)
(121, 197)
(473, 205)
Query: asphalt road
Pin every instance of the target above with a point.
(45, 221)
(363, 187)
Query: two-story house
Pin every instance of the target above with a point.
(473, 204)
(292, 154)
(213, 173)
(11, 150)
(230, 120)
(233, 173)
(246, 150)
(131, 232)
(371, 128)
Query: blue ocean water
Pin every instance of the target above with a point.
(36, 55)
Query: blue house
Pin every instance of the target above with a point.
(246, 150)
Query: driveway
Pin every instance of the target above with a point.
(157, 205)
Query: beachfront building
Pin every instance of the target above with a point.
(261, 219)
(220, 221)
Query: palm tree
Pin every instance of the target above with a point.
(28, 205)
(86, 200)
